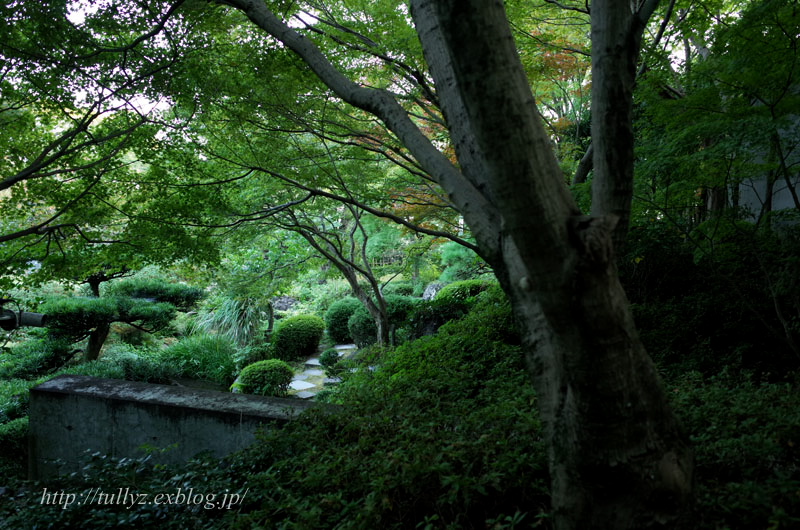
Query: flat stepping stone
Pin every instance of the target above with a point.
(305, 394)
(310, 372)
(301, 385)
(331, 380)
(301, 377)
(345, 347)
(313, 362)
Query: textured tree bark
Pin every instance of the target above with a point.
(617, 456)
(96, 340)
(617, 30)
(618, 459)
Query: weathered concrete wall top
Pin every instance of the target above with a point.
(72, 414)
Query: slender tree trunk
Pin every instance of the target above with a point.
(616, 40)
(97, 338)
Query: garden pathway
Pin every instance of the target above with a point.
(311, 379)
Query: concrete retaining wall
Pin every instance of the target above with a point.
(71, 414)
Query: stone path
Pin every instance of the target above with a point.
(311, 378)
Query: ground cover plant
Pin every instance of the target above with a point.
(433, 433)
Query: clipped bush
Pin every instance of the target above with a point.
(398, 311)
(362, 327)
(297, 337)
(266, 378)
(329, 360)
(180, 295)
(401, 288)
(201, 356)
(462, 292)
(35, 357)
(336, 318)
(452, 302)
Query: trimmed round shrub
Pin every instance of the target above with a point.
(399, 307)
(401, 288)
(297, 337)
(336, 318)
(463, 292)
(266, 378)
(362, 328)
(329, 360)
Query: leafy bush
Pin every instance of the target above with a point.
(398, 310)
(336, 318)
(401, 288)
(329, 360)
(267, 378)
(297, 337)
(462, 293)
(452, 302)
(706, 314)
(201, 356)
(362, 327)
(22, 506)
(102, 369)
(14, 445)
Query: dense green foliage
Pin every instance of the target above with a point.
(183, 297)
(399, 308)
(270, 377)
(745, 437)
(34, 357)
(74, 317)
(362, 328)
(297, 337)
(336, 318)
(437, 431)
(330, 360)
(14, 398)
(704, 312)
(202, 356)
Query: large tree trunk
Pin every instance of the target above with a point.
(617, 457)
